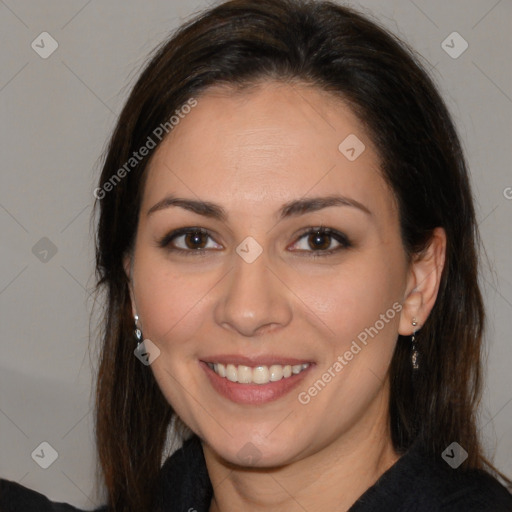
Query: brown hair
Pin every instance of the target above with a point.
(243, 42)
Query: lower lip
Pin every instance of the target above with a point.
(253, 394)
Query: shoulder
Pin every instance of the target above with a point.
(458, 489)
(418, 482)
(473, 490)
(16, 498)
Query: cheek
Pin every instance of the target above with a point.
(170, 304)
(355, 295)
(361, 307)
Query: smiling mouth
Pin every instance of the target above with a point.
(258, 374)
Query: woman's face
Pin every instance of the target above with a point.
(306, 322)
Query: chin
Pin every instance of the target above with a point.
(253, 452)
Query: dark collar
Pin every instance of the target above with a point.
(185, 482)
(416, 481)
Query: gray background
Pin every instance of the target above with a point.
(56, 116)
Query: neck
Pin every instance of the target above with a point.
(333, 478)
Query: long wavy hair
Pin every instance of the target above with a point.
(242, 43)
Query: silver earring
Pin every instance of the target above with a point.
(415, 353)
(138, 332)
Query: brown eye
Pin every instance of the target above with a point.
(189, 241)
(196, 240)
(321, 242)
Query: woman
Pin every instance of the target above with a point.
(288, 246)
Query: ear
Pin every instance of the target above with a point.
(423, 283)
(128, 269)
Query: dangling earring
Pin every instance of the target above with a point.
(415, 354)
(138, 332)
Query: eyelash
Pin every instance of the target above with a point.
(341, 238)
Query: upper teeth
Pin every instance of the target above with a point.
(257, 375)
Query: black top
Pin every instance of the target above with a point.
(415, 483)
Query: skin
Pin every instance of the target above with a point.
(251, 152)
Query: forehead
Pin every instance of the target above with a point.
(275, 141)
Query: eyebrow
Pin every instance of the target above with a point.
(290, 209)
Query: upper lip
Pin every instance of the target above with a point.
(263, 360)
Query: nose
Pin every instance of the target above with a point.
(254, 301)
